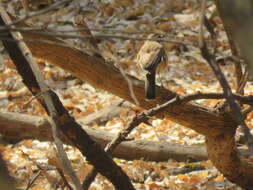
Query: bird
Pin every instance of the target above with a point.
(151, 59)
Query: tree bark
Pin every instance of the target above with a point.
(101, 75)
(237, 19)
(102, 162)
(6, 181)
(218, 129)
(104, 76)
(224, 155)
(16, 127)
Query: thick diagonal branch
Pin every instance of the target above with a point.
(94, 154)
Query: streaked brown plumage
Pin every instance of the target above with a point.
(151, 58)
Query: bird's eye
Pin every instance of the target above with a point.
(161, 36)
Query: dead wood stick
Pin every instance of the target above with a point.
(103, 163)
(17, 126)
(47, 96)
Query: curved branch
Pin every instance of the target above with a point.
(226, 158)
(102, 75)
(218, 129)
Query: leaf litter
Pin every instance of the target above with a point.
(187, 73)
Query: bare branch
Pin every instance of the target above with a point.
(39, 13)
(103, 163)
(223, 82)
(130, 85)
(53, 112)
(101, 36)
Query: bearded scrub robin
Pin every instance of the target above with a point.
(151, 59)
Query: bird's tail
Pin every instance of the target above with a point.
(150, 87)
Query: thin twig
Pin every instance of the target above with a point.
(32, 179)
(103, 36)
(79, 29)
(31, 99)
(69, 127)
(242, 99)
(122, 135)
(129, 83)
(54, 117)
(238, 65)
(41, 169)
(65, 181)
(145, 116)
(39, 13)
(223, 82)
(210, 28)
(35, 40)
